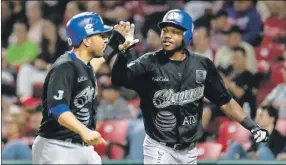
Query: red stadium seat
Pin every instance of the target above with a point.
(281, 126)
(230, 132)
(268, 52)
(115, 133)
(209, 150)
(213, 126)
(276, 72)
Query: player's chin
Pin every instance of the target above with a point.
(168, 48)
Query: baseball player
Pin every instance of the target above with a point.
(67, 130)
(172, 83)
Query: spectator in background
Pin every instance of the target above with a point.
(11, 11)
(275, 25)
(266, 117)
(240, 81)
(15, 149)
(94, 6)
(277, 97)
(72, 8)
(219, 25)
(197, 9)
(152, 12)
(224, 55)
(23, 51)
(115, 11)
(7, 22)
(29, 75)
(113, 106)
(201, 42)
(35, 20)
(8, 76)
(52, 45)
(244, 14)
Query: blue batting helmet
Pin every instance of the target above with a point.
(84, 25)
(180, 19)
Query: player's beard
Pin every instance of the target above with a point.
(170, 53)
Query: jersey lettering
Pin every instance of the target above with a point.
(60, 96)
(189, 120)
(166, 97)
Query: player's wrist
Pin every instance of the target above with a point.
(112, 47)
(83, 130)
(248, 124)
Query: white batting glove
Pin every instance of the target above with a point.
(260, 134)
(128, 33)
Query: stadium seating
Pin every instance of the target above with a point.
(115, 133)
(230, 132)
(209, 150)
(268, 52)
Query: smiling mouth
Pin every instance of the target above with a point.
(167, 43)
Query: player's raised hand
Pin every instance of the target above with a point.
(127, 30)
(260, 134)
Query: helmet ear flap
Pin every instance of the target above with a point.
(187, 37)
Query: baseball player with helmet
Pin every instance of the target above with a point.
(67, 131)
(172, 83)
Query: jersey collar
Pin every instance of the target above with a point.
(74, 57)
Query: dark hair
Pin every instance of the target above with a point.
(239, 49)
(272, 112)
(208, 33)
(220, 13)
(234, 29)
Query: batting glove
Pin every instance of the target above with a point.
(129, 37)
(260, 134)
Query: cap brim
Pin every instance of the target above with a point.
(105, 29)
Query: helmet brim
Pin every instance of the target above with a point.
(161, 25)
(105, 29)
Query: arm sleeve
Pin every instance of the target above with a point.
(215, 89)
(124, 72)
(59, 89)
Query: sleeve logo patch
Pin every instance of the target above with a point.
(201, 76)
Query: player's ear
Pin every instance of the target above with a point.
(86, 42)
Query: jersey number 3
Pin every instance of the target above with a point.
(60, 96)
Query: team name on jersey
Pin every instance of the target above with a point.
(85, 96)
(166, 97)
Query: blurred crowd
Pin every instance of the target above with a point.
(245, 39)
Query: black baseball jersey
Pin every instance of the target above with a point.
(69, 84)
(172, 92)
